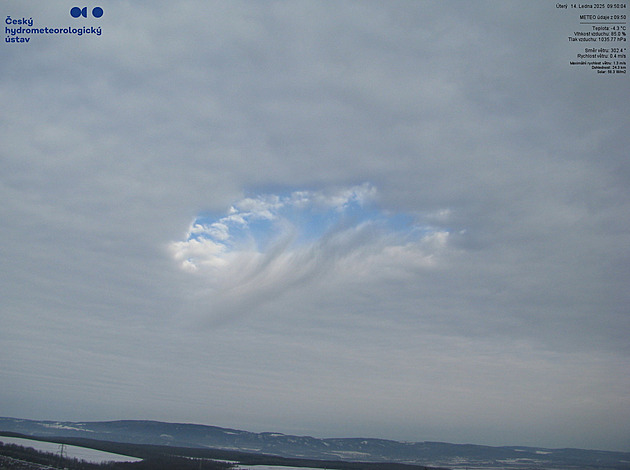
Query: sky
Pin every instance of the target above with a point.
(396, 219)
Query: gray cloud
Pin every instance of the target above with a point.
(460, 115)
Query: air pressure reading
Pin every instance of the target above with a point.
(599, 36)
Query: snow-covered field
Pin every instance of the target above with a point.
(81, 453)
(271, 467)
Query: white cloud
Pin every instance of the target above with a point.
(340, 199)
(262, 207)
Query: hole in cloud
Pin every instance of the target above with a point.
(267, 244)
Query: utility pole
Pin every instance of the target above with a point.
(61, 449)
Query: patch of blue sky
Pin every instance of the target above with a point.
(258, 232)
(299, 217)
(309, 223)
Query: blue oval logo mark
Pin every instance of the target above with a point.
(76, 12)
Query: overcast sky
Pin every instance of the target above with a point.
(393, 219)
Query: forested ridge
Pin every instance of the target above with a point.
(156, 457)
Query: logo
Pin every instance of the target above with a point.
(76, 12)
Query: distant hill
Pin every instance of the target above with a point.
(435, 454)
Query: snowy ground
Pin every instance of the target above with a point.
(272, 467)
(81, 453)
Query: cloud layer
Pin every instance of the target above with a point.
(186, 234)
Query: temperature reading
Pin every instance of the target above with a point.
(599, 37)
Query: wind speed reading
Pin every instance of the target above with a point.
(600, 34)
